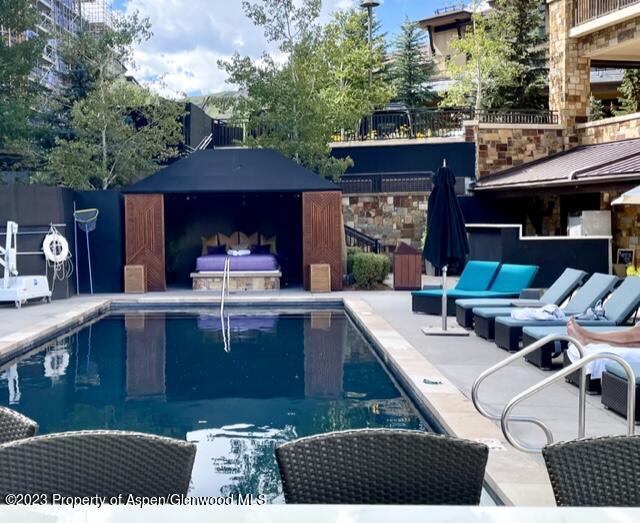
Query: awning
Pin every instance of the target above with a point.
(601, 163)
(233, 170)
(631, 197)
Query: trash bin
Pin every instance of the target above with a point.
(407, 268)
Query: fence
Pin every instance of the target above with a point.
(587, 10)
(392, 183)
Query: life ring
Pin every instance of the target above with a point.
(55, 247)
(56, 363)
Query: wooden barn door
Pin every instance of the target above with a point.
(144, 236)
(322, 234)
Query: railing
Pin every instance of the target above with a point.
(587, 10)
(505, 417)
(355, 238)
(449, 8)
(435, 123)
(393, 183)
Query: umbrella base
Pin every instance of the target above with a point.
(451, 331)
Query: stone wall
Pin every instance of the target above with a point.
(609, 129)
(501, 146)
(390, 218)
(625, 223)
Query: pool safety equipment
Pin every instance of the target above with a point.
(56, 251)
(86, 220)
(15, 288)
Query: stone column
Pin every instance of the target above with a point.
(569, 73)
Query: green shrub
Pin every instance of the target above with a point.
(369, 269)
(351, 252)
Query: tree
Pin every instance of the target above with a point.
(596, 109)
(486, 67)
(20, 52)
(297, 105)
(518, 23)
(122, 133)
(410, 69)
(629, 90)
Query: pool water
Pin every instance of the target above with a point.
(237, 391)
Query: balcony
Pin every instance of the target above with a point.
(585, 11)
(416, 124)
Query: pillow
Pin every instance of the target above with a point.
(271, 242)
(216, 249)
(260, 249)
(207, 242)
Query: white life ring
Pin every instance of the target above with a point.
(55, 247)
(56, 363)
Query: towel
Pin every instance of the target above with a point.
(240, 252)
(549, 312)
(596, 368)
(593, 314)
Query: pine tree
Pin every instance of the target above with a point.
(519, 24)
(596, 109)
(629, 92)
(410, 69)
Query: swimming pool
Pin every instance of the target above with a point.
(238, 391)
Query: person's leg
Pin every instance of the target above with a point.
(627, 338)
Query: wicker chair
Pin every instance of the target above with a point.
(598, 472)
(89, 463)
(14, 425)
(382, 466)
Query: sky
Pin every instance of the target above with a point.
(190, 36)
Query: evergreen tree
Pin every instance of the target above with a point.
(519, 25)
(410, 69)
(596, 109)
(20, 52)
(629, 90)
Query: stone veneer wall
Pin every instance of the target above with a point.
(609, 129)
(625, 223)
(391, 218)
(501, 146)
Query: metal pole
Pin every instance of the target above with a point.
(370, 13)
(444, 298)
(89, 260)
(75, 253)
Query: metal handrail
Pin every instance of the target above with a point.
(577, 366)
(495, 415)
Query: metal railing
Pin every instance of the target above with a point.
(386, 182)
(505, 416)
(587, 10)
(355, 238)
(435, 123)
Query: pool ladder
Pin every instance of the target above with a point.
(505, 416)
(226, 329)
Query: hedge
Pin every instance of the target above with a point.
(369, 269)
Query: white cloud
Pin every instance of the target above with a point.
(190, 36)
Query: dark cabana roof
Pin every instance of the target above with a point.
(234, 169)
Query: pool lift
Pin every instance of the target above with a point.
(15, 288)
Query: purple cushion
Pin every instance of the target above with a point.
(217, 249)
(261, 249)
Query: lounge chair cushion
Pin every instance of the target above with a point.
(538, 333)
(514, 278)
(496, 302)
(563, 286)
(458, 293)
(623, 301)
(594, 289)
(617, 370)
(492, 312)
(511, 322)
(477, 275)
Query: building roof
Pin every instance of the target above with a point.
(606, 162)
(233, 170)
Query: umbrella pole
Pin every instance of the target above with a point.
(444, 298)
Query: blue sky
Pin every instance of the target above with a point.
(190, 36)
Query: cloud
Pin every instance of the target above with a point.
(190, 36)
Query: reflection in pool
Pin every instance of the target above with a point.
(284, 376)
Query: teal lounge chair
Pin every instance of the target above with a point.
(618, 308)
(508, 283)
(561, 289)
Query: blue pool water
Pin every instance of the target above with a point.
(237, 392)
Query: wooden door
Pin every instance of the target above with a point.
(144, 236)
(322, 234)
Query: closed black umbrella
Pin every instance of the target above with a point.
(446, 233)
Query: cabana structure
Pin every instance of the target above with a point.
(180, 222)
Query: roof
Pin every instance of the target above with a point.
(606, 162)
(446, 17)
(233, 170)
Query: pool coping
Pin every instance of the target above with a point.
(515, 478)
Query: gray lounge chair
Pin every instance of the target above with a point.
(561, 289)
(484, 318)
(598, 472)
(90, 463)
(382, 466)
(508, 331)
(14, 425)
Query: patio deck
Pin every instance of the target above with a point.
(388, 319)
